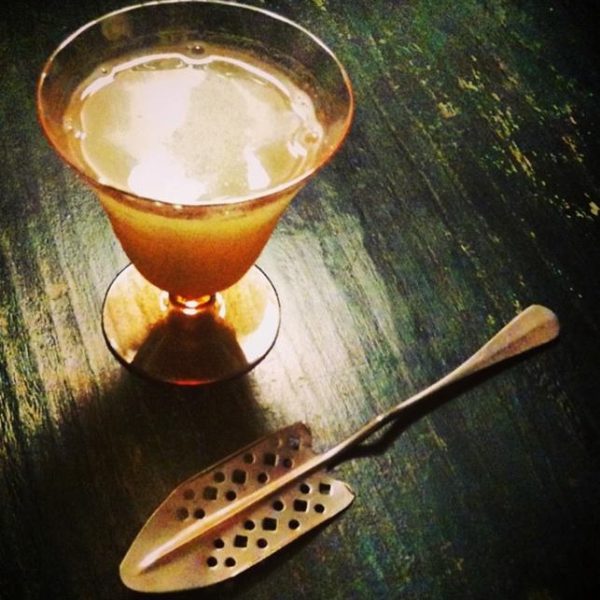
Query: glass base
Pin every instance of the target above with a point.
(190, 343)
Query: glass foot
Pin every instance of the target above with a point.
(190, 343)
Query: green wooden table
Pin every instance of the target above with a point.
(468, 188)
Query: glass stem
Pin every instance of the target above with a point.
(192, 306)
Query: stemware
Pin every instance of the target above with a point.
(195, 122)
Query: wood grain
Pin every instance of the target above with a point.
(467, 190)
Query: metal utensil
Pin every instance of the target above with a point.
(234, 514)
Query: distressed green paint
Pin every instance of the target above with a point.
(424, 45)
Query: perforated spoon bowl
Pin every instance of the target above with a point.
(234, 514)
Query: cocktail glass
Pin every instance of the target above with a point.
(192, 307)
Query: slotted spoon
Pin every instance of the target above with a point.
(234, 514)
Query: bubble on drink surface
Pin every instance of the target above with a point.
(311, 137)
(197, 49)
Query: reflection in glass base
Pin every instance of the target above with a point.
(190, 343)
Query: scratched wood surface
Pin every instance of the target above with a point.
(468, 188)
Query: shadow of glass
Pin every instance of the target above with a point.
(120, 451)
(184, 347)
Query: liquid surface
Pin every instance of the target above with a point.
(198, 125)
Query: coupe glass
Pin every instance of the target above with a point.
(192, 307)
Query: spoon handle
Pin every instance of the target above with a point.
(535, 326)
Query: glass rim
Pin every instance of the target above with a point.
(258, 196)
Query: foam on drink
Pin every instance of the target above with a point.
(193, 125)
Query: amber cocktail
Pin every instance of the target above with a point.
(195, 123)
